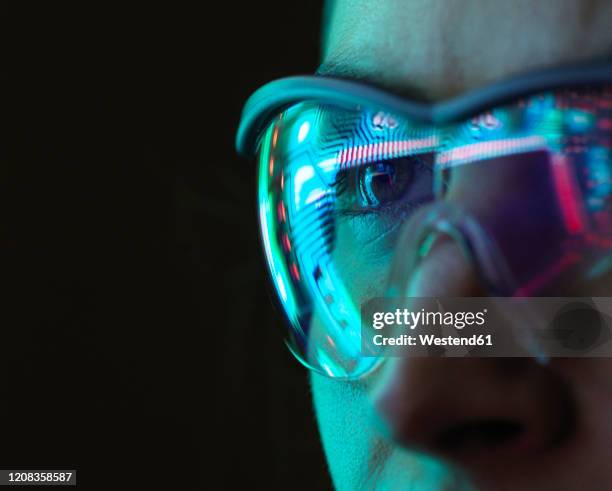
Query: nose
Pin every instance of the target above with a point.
(477, 412)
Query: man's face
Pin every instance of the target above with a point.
(513, 424)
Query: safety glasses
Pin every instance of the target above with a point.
(353, 182)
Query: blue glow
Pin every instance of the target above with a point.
(579, 121)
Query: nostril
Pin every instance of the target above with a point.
(479, 414)
(479, 435)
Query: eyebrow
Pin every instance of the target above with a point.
(349, 69)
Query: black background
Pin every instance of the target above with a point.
(138, 343)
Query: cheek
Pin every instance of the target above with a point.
(349, 441)
(357, 454)
(363, 266)
(353, 447)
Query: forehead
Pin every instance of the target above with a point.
(432, 49)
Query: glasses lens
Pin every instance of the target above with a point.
(538, 179)
(337, 184)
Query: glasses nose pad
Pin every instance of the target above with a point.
(479, 249)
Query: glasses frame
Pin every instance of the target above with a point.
(269, 100)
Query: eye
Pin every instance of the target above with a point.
(385, 182)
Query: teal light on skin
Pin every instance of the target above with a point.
(362, 457)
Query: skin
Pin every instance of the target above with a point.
(382, 432)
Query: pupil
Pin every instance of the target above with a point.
(384, 182)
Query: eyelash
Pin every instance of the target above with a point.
(350, 176)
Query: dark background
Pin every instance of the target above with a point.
(139, 345)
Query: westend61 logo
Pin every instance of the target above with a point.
(487, 327)
(413, 319)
